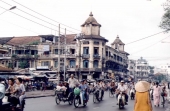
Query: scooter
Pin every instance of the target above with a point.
(151, 94)
(79, 100)
(121, 100)
(132, 93)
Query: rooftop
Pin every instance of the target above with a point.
(118, 41)
(91, 20)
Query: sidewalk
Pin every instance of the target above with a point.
(37, 94)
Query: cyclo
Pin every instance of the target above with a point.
(62, 93)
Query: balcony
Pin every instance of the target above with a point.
(71, 69)
(5, 56)
(85, 69)
(70, 56)
(96, 56)
(85, 56)
(50, 56)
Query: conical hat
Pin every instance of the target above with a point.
(142, 86)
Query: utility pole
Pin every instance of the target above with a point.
(59, 53)
(79, 59)
(65, 55)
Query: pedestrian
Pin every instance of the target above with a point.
(156, 94)
(142, 99)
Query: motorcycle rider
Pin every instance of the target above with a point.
(122, 88)
(72, 82)
(83, 88)
(13, 99)
(112, 86)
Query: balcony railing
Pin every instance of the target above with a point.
(70, 55)
(96, 56)
(86, 56)
(5, 56)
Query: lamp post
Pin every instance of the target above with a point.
(8, 9)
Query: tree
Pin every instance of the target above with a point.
(165, 22)
(24, 64)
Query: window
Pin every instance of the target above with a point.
(56, 51)
(85, 42)
(85, 64)
(72, 63)
(56, 64)
(85, 50)
(45, 63)
(96, 42)
(106, 53)
(95, 64)
(96, 50)
(168, 66)
(114, 56)
(138, 67)
(72, 51)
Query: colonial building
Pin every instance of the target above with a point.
(142, 69)
(85, 54)
(132, 68)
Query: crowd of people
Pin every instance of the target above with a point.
(143, 95)
(16, 89)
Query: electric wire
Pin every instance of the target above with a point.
(36, 17)
(45, 16)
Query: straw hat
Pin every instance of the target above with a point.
(142, 86)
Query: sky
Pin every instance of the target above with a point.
(130, 19)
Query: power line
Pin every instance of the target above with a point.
(35, 16)
(146, 37)
(150, 45)
(19, 26)
(31, 20)
(44, 16)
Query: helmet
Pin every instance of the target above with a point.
(77, 91)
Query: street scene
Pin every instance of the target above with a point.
(89, 55)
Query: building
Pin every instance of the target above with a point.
(165, 69)
(132, 68)
(142, 69)
(85, 54)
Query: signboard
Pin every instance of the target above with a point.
(43, 48)
(42, 67)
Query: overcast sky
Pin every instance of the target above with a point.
(130, 19)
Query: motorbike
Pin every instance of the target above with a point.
(121, 100)
(151, 94)
(98, 95)
(111, 92)
(79, 100)
(5, 105)
(132, 93)
(59, 96)
(163, 94)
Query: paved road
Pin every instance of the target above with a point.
(48, 104)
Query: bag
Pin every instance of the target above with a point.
(76, 91)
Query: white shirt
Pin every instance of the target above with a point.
(122, 88)
(72, 82)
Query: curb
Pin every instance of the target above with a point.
(38, 96)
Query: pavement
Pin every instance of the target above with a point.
(38, 94)
(108, 104)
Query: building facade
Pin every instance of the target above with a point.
(142, 69)
(85, 54)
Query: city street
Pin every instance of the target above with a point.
(48, 104)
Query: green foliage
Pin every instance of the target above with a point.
(160, 77)
(165, 22)
(24, 64)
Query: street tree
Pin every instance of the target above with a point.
(165, 22)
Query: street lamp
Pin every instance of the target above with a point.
(14, 7)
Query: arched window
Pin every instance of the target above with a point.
(85, 64)
(95, 64)
(72, 63)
